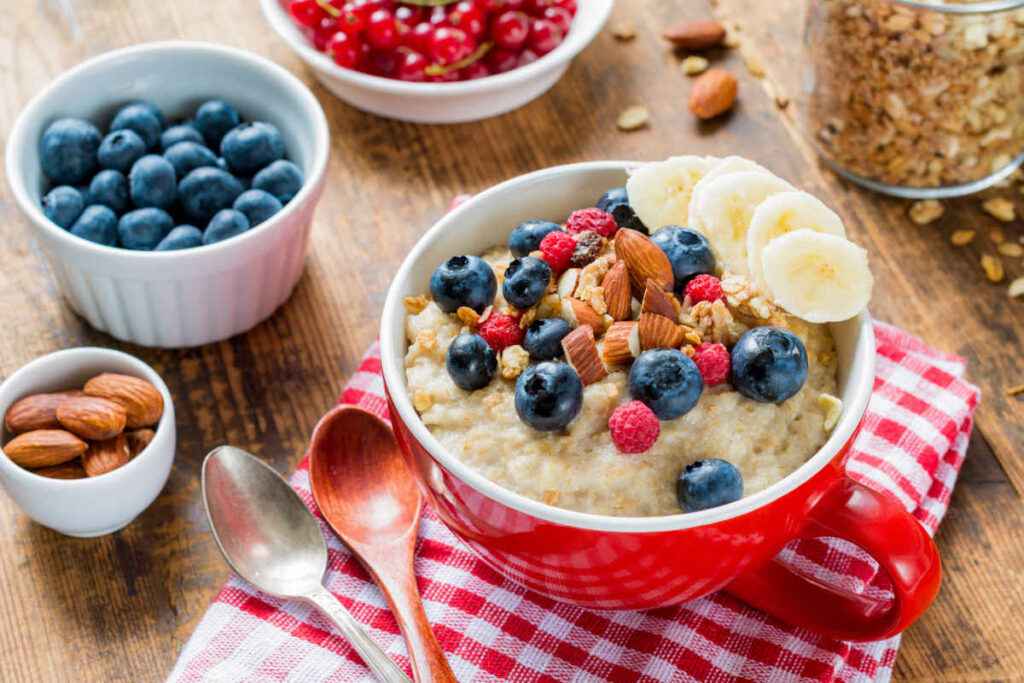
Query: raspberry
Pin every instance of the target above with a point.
(595, 220)
(713, 361)
(557, 248)
(634, 427)
(500, 331)
(704, 288)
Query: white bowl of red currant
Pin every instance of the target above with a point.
(451, 62)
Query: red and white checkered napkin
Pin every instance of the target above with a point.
(912, 445)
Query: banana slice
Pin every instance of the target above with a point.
(659, 192)
(816, 276)
(722, 210)
(782, 213)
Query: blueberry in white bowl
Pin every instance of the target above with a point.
(182, 132)
(110, 188)
(181, 237)
(97, 224)
(120, 150)
(63, 205)
(67, 151)
(144, 119)
(463, 281)
(470, 362)
(687, 250)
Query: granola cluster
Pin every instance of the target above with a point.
(915, 97)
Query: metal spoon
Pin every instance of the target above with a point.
(368, 495)
(272, 541)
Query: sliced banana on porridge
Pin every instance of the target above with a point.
(660, 192)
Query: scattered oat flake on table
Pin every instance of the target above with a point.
(633, 118)
(694, 64)
(1001, 208)
(926, 211)
(754, 66)
(1016, 288)
(993, 267)
(1011, 249)
(1015, 390)
(961, 238)
(624, 31)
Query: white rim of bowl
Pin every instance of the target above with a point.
(297, 89)
(142, 368)
(574, 43)
(394, 377)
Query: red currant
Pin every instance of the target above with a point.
(536, 7)
(560, 17)
(450, 45)
(409, 16)
(527, 56)
(501, 60)
(544, 36)
(504, 5)
(468, 17)
(323, 31)
(568, 5)
(475, 70)
(510, 30)
(438, 17)
(351, 21)
(305, 12)
(345, 49)
(382, 31)
(383, 63)
(412, 66)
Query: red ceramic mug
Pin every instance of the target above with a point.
(606, 562)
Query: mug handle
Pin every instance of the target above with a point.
(879, 524)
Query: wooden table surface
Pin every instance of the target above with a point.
(120, 608)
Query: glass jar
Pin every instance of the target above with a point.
(917, 99)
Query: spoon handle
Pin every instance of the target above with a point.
(378, 662)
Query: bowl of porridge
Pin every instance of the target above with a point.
(628, 385)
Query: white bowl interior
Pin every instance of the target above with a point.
(552, 194)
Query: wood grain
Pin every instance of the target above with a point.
(120, 608)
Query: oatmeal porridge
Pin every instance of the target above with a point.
(592, 367)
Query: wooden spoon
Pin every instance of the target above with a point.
(369, 497)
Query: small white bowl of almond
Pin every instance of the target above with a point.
(88, 439)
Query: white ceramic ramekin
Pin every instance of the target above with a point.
(97, 505)
(180, 298)
(443, 102)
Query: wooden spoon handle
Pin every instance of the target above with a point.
(428, 660)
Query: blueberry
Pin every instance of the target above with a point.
(616, 202)
(97, 224)
(183, 132)
(67, 151)
(543, 338)
(181, 237)
(225, 224)
(471, 362)
(187, 156)
(548, 396)
(63, 205)
(527, 235)
(110, 188)
(152, 182)
(86, 195)
(139, 117)
(205, 191)
(526, 281)
(143, 229)
(251, 146)
(213, 121)
(282, 178)
(688, 251)
(708, 484)
(666, 381)
(463, 281)
(120, 149)
(257, 205)
(769, 364)
(154, 110)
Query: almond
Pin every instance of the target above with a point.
(621, 343)
(644, 260)
(617, 291)
(581, 351)
(140, 398)
(713, 93)
(44, 447)
(578, 313)
(106, 456)
(72, 469)
(138, 439)
(695, 35)
(659, 332)
(38, 411)
(657, 301)
(92, 418)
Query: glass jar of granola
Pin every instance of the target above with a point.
(917, 99)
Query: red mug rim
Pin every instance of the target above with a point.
(392, 351)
